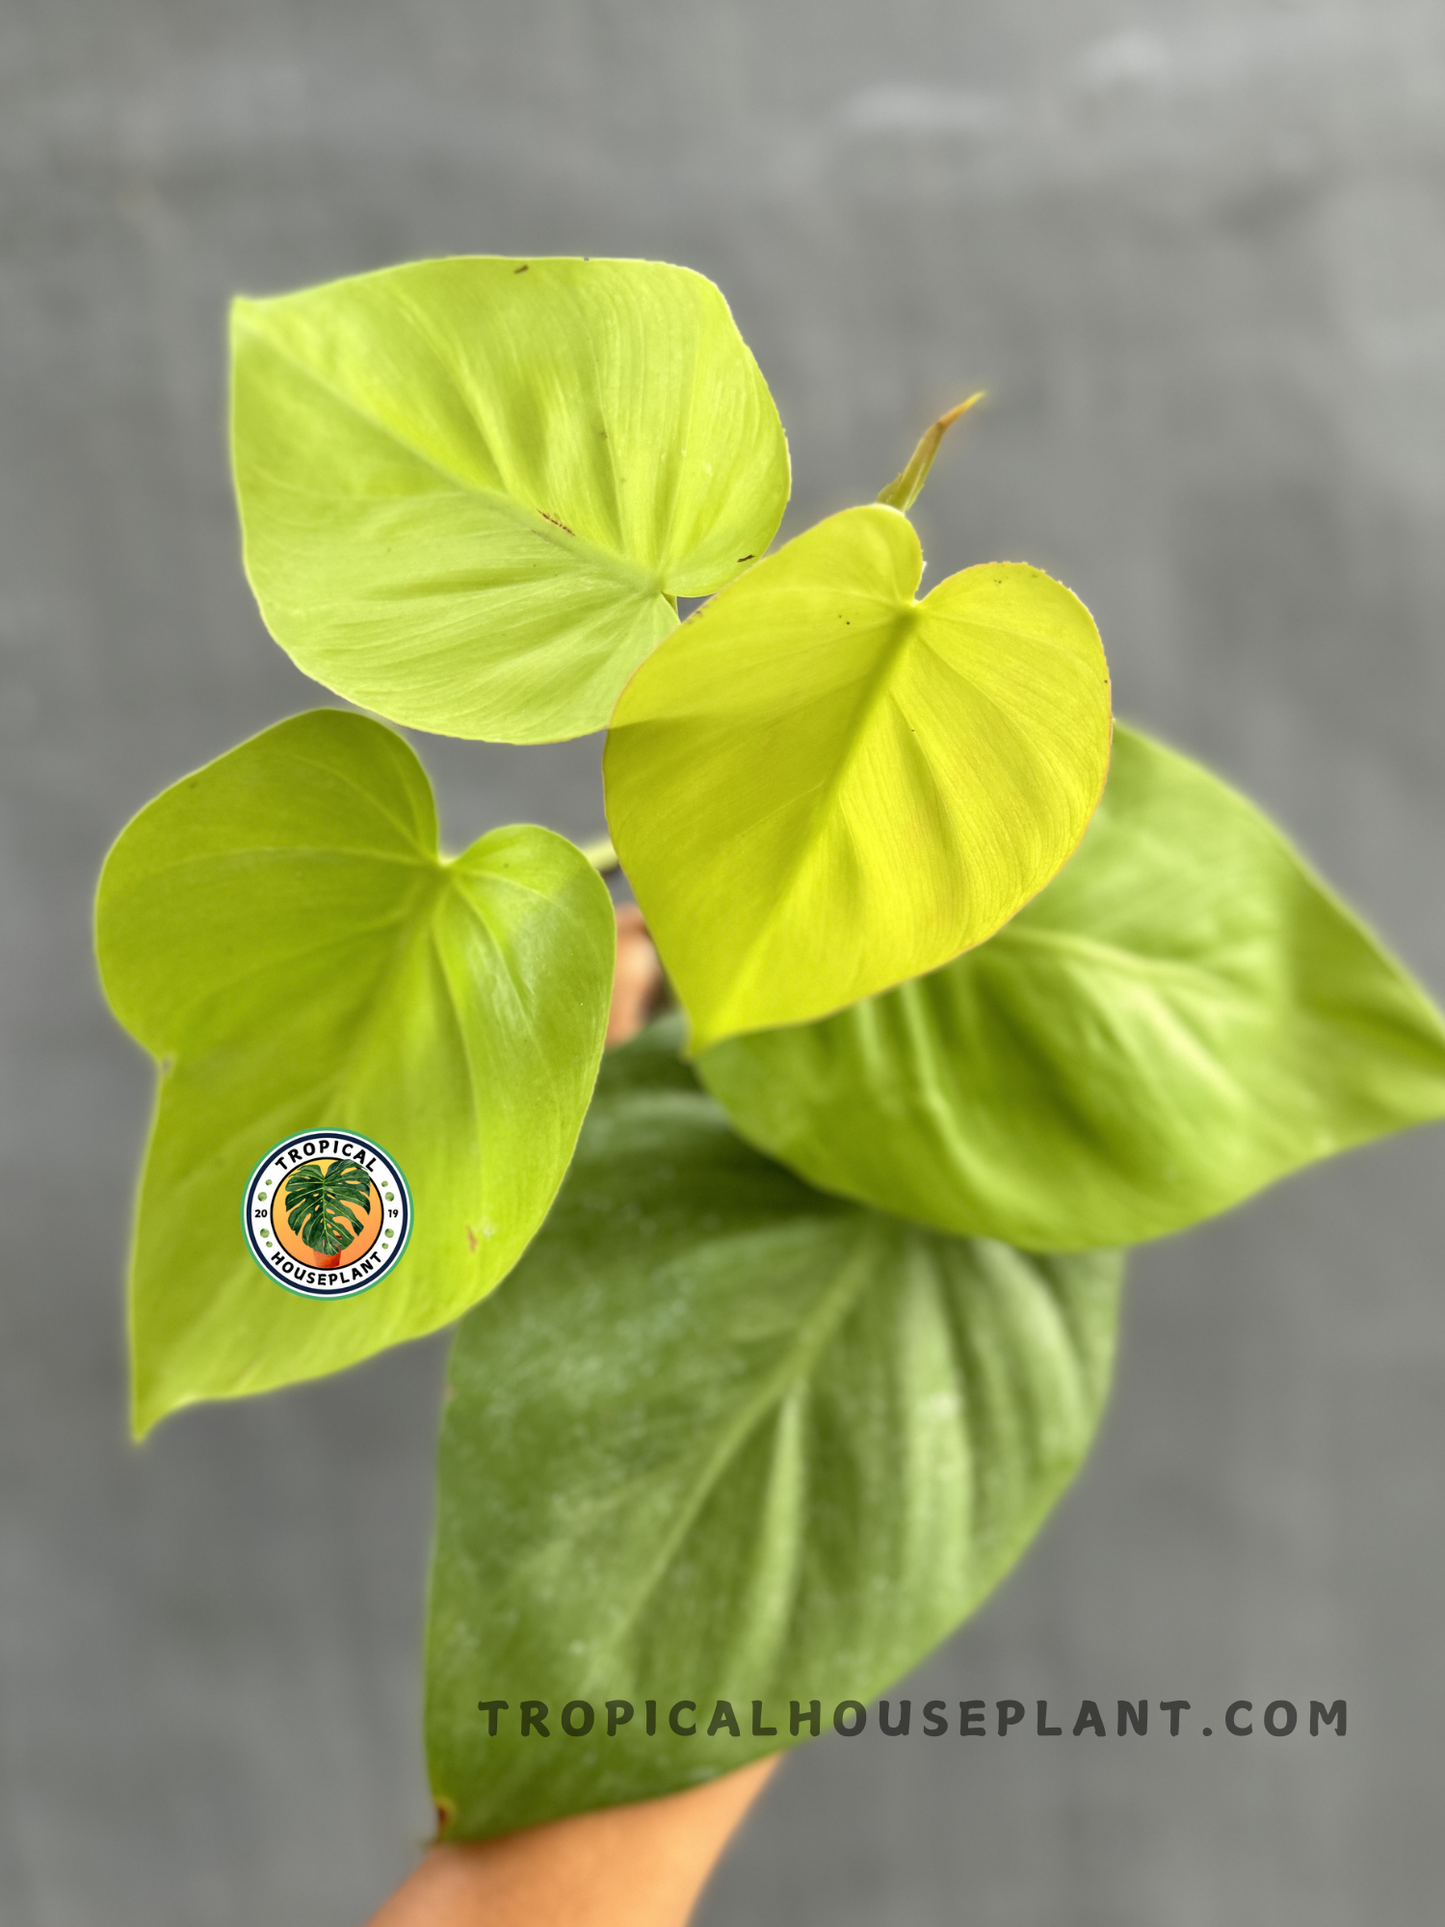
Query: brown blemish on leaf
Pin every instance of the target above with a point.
(523, 269)
(446, 1812)
(556, 521)
(471, 1238)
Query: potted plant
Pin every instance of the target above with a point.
(321, 1202)
(811, 1290)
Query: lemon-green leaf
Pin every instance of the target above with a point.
(1185, 1015)
(469, 487)
(724, 1439)
(279, 931)
(820, 786)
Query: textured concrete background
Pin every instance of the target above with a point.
(1197, 253)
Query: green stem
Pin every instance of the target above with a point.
(601, 855)
(903, 491)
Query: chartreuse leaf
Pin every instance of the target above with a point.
(724, 1439)
(469, 488)
(820, 786)
(1184, 1015)
(279, 931)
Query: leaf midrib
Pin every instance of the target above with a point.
(633, 574)
(1111, 956)
(823, 796)
(811, 1336)
(910, 628)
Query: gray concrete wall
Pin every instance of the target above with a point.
(1196, 250)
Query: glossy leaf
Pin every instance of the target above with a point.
(1185, 1015)
(722, 1438)
(820, 786)
(469, 487)
(279, 931)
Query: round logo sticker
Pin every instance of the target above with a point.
(326, 1214)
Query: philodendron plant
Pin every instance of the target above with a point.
(808, 1298)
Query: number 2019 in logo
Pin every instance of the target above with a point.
(327, 1214)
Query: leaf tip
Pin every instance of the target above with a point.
(906, 487)
(146, 1413)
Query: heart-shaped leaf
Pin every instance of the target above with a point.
(279, 931)
(820, 786)
(469, 488)
(1185, 1015)
(723, 1439)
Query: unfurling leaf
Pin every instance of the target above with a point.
(280, 932)
(820, 786)
(724, 1439)
(469, 488)
(1185, 1015)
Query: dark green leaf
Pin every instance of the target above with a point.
(722, 1437)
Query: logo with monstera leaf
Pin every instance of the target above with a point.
(327, 1214)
